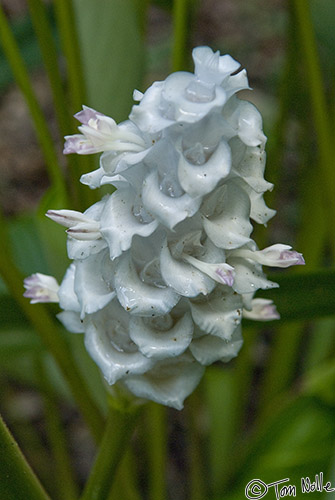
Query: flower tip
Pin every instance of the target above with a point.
(300, 260)
(226, 277)
(41, 288)
(262, 310)
(54, 215)
(292, 257)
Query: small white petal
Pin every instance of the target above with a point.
(68, 218)
(168, 210)
(169, 382)
(211, 67)
(67, 297)
(107, 341)
(221, 272)
(235, 83)
(277, 255)
(137, 95)
(259, 211)
(92, 291)
(72, 322)
(183, 277)
(249, 276)
(101, 133)
(84, 231)
(118, 224)
(137, 297)
(249, 164)
(157, 342)
(261, 310)
(186, 99)
(87, 114)
(198, 180)
(41, 288)
(93, 179)
(219, 315)
(250, 125)
(208, 349)
(231, 229)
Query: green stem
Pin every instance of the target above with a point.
(67, 487)
(198, 481)
(157, 448)
(27, 435)
(51, 336)
(281, 364)
(68, 33)
(18, 481)
(43, 30)
(67, 29)
(322, 121)
(119, 429)
(22, 79)
(125, 483)
(180, 20)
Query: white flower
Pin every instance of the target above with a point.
(101, 133)
(41, 288)
(165, 268)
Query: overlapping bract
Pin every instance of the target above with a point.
(165, 268)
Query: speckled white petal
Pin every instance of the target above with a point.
(79, 249)
(157, 343)
(200, 179)
(219, 315)
(67, 297)
(221, 272)
(107, 341)
(168, 210)
(245, 118)
(250, 124)
(184, 278)
(93, 179)
(259, 211)
(249, 164)
(208, 349)
(137, 297)
(249, 276)
(113, 162)
(71, 320)
(169, 382)
(118, 224)
(92, 291)
(231, 229)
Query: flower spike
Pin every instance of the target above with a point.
(165, 268)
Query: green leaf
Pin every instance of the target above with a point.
(323, 12)
(25, 37)
(305, 296)
(298, 443)
(112, 53)
(11, 315)
(18, 481)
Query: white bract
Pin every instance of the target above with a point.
(165, 268)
